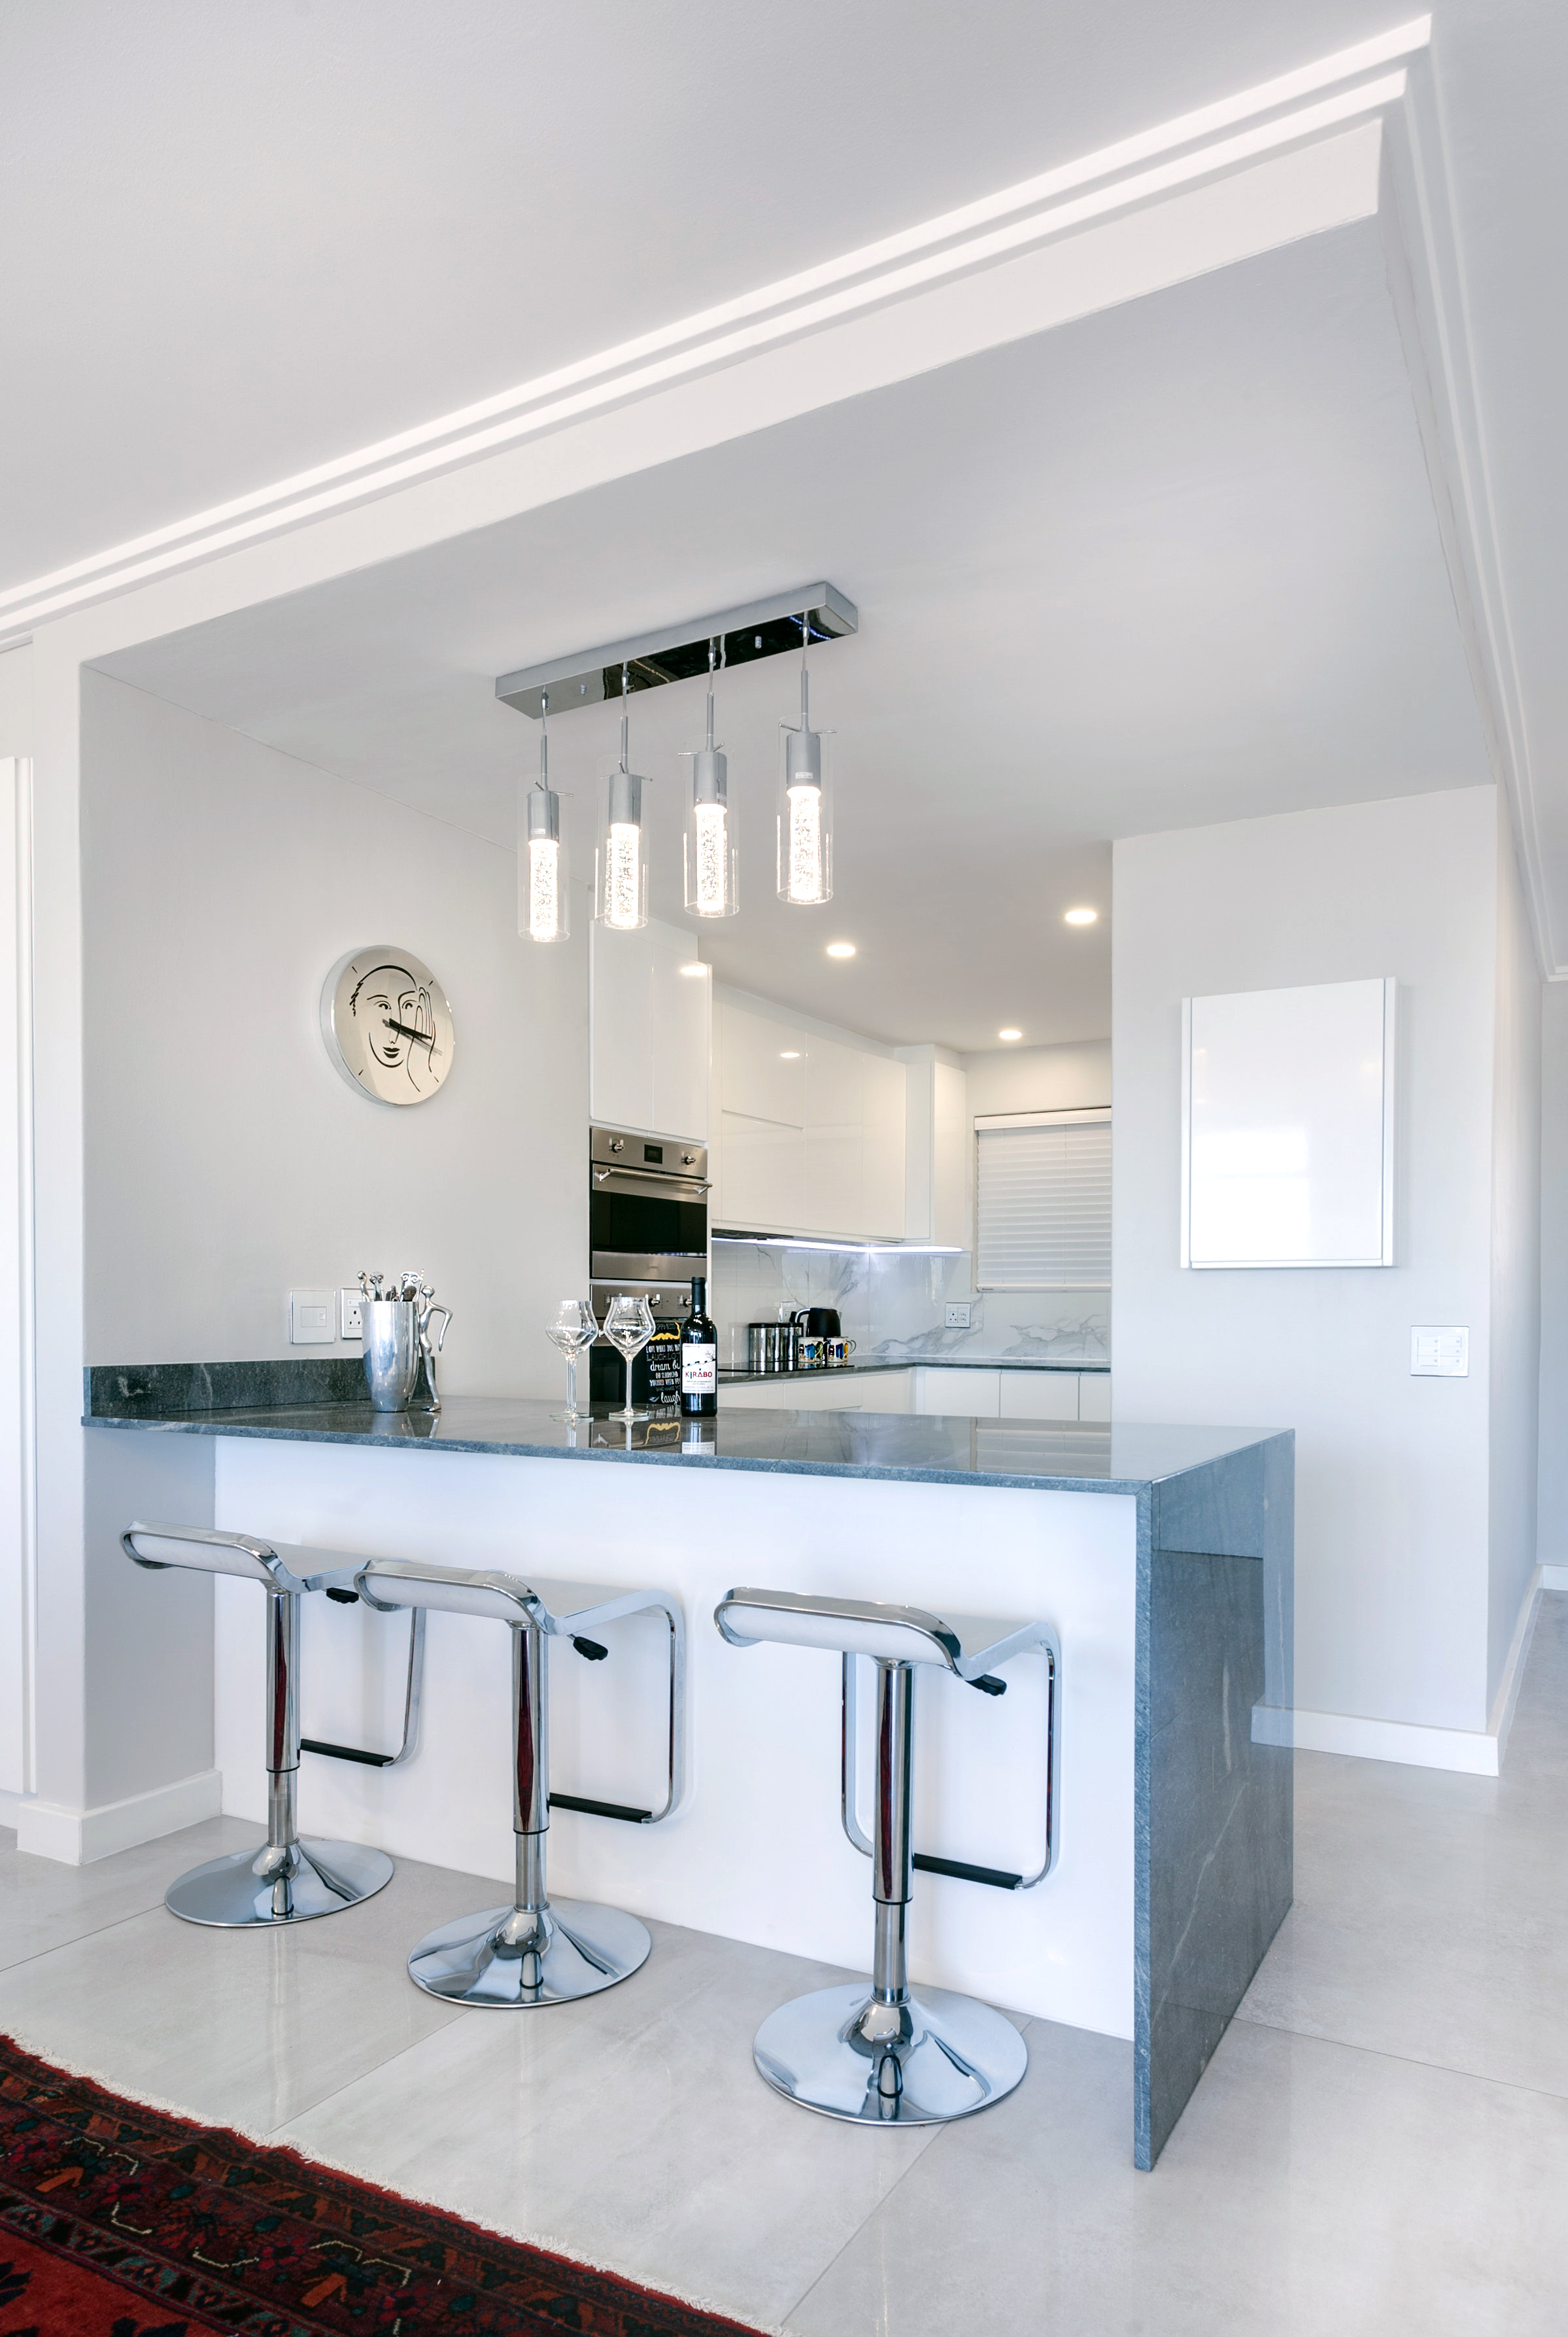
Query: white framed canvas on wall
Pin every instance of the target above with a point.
(1288, 1127)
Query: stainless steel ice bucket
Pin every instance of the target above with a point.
(392, 1351)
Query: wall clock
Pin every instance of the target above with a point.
(387, 1025)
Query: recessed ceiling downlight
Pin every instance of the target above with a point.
(1010, 1034)
(1081, 917)
(841, 949)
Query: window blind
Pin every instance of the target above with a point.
(1044, 1204)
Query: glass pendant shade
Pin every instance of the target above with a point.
(805, 834)
(709, 847)
(545, 907)
(620, 875)
(543, 894)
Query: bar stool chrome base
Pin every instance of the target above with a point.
(293, 1884)
(934, 2056)
(514, 1956)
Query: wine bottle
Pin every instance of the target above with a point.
(699, 1355)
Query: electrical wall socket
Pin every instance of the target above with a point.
(310, 1318)
(350, 1321)
(957, 1316)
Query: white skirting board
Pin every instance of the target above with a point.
(1477, 1752)
(76, 1837)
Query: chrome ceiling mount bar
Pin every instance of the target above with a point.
(762, 629)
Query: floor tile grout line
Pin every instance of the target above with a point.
(372, 2070)
(867, 2220)
(1405, 2060)
(58, 1947)
(917, 2159)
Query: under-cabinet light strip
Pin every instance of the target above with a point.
(859, 1249)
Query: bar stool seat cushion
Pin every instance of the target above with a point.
(283, 1565)
(565, 1609)
(968, 1645)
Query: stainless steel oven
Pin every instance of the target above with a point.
(647, 1231)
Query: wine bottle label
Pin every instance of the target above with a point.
(698, 1371)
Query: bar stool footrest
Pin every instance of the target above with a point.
(623, 1810)
(996, 1876)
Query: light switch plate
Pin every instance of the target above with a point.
(350, 1321)
(1439, 1352)
(958, 1315)
(310, 1318)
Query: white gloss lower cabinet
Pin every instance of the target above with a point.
(962, 1392)
(1094, 1395)
(970, 1393)
(820, 1392)
(1041, 1395)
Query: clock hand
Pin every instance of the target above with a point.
(425, 1037)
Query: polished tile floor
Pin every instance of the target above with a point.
(1379, 2145)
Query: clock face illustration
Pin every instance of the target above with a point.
(387, 1025)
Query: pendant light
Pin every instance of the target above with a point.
(620, 878)
(805, 840)
(708, 846)
(543, 900)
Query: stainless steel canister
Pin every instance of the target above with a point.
(393, 1353)
(757, 1346)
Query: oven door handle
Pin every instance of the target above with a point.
(635, 1177)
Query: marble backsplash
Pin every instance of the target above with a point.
(893, 1304)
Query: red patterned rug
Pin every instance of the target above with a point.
(120, 2221)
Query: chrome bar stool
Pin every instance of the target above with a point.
(293, 1879)
(895, 2056)
(536, 1951)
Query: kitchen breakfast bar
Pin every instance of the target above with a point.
(1158, 1559)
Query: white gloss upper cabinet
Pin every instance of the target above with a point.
(939, 1145)
(882, 1161)
(681, 992)
(762, 1067)
(649, 1031)
(811, 1131)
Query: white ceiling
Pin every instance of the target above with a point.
(238, 240)
(1173, 564)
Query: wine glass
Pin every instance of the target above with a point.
(573, 1329)
(630, 1326)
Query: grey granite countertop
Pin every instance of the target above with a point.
(1073, 1456)
(732, 1378)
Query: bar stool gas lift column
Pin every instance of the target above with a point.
(893, 2057)
(292, 1880)
(536, 1950)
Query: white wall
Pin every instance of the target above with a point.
(227, 1162)
(1515, 1340)
(1072, 1077)
(1395, 1492)
(1553, 1479)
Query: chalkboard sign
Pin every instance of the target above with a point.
(661, 1360)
